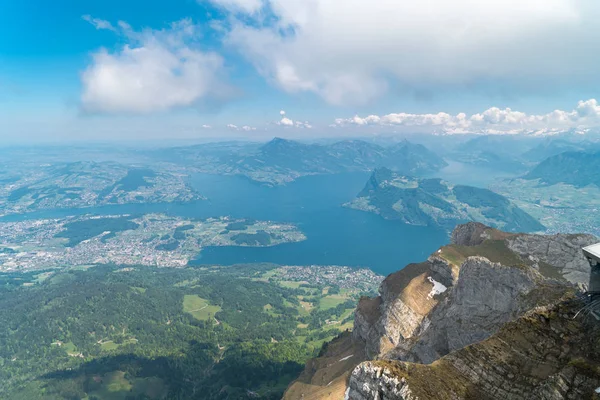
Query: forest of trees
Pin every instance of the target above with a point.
(73, 333)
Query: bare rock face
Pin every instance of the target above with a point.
(366, 315)
(486, 296)
(371, 381)
(562, 252)
(442, 270)
(325, 377)
(406, 299)
(470, 234)
(464, 294)
(545, 354)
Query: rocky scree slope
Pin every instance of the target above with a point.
(463, 294)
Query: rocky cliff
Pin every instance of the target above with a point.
(463, 294)
(544, 354)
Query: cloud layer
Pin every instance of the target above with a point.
(352, 51)
(493, 120)
(156, 71)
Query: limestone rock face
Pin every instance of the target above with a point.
(436, 312)
(413, 323)
(470, 234)
(545, 354)
(405, 300)
(486, 296)
(442, 270)
(560, 251)
(370, 381)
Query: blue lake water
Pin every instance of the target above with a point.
(335, 235)
(465, 174)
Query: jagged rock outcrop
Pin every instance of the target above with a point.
(471, 234)
(487, 278)
(563, 252)
(545, 354)
(486, 296)
(463, 294)
(326, 376)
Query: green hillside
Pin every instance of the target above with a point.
(209, 332)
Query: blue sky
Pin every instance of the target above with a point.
(78, 70)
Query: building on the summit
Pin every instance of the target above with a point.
(592, 253)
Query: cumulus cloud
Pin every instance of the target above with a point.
(206, 126)
(352, 51)
(156, 71)
(493, 120)
(288, 122)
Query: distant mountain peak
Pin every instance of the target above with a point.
(280, 140)
(577, 168)
(279, 145)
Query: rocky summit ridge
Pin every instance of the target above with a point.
(488, 316)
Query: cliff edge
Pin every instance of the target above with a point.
(463, 294)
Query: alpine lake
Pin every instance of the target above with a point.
(336, 235)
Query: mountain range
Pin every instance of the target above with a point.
(577, 168)
(435, 202)
(281, 160)
(516, 154)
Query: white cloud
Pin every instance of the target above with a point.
(206, 126)
(351, 51)
(305, 124)
(241, 128)
(156, 71)
(288, 122)
(493, 120)
(98, 23)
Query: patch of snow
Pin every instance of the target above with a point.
(345, 358)
(436, 289)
